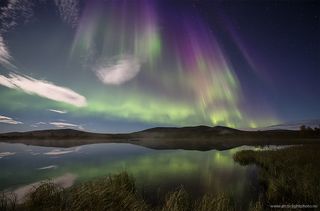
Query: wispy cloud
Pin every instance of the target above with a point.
(5, 58)
(48, 167)
(43, 88)
(58, 111)
(69, 10)
(4, 154)
(119, 71)
(66, 125)
(9, 120)
(15, 11)
(41, 123)
(58, 152)
(62, 151)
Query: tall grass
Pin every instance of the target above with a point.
(222, 202)
(8, 201)
(289, 176)
(177, 200)
(117, 193)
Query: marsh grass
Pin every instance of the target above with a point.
(116, 192)
(222, 202)
(177, 200)
(256, 206)
(288, 176)
(46, 196)
(8, 201)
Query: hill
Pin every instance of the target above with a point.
(198, 137)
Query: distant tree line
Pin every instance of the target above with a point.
(308, 129)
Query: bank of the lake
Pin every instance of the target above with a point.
(288, 176)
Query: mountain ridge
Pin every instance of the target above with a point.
(197, 137)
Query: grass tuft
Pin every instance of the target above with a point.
(222, 202)
(178, 200)
(8, 201)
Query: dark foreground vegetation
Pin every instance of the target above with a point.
(117, 192)
(288, 176)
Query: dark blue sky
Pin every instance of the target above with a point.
(118, 66)
(283, 39)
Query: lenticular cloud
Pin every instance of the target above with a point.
(43, 88)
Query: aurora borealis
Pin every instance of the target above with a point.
(118, 66)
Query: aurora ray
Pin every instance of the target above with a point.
(144, 62)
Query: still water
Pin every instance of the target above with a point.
(155, 171)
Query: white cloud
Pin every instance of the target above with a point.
(58, 111)
(69, 10)
(9, 120)
(58, 152)
(15, 12)
(43, 88)
(117, 72)
(66, 125)
(48, 167)
(4, 53)
(41, 123)
(63, 151)
(4, 154)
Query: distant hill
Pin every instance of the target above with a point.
(198, 137)
(201, 128)
(294, 125)
(49, 134)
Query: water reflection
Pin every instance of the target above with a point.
(66, 180)
(154, 170)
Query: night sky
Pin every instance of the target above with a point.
(120, 66)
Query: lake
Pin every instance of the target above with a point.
(155, 171)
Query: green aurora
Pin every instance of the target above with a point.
(121, 62)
